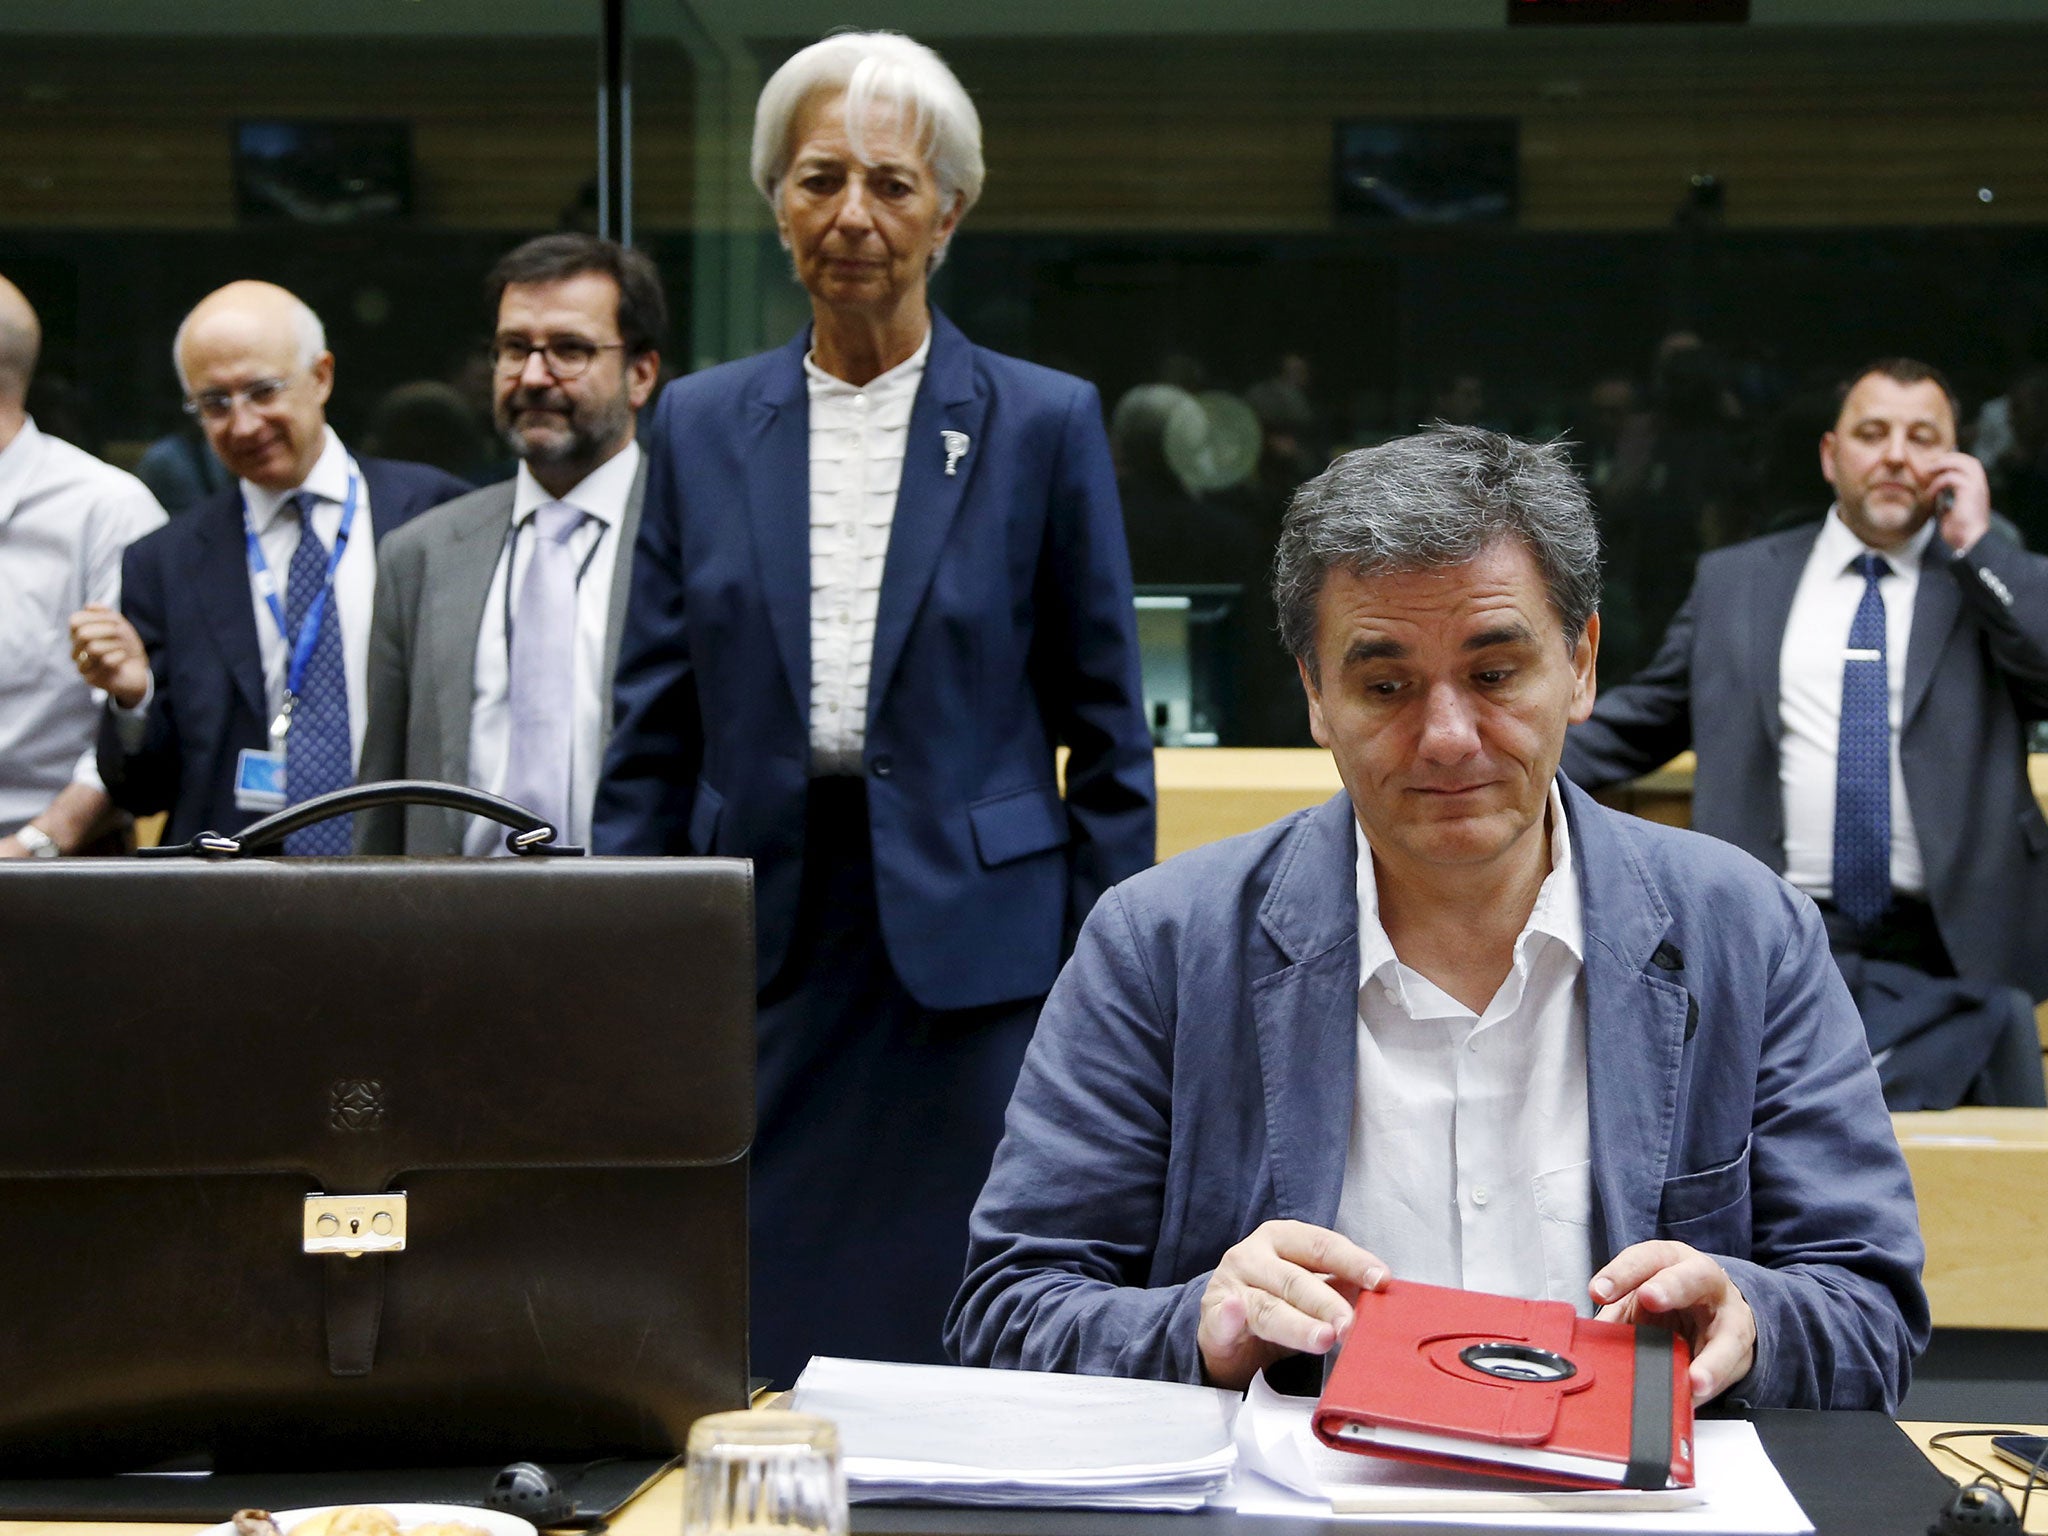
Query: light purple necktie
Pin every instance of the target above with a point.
(543, 666)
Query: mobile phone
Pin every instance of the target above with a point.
(2027, 1452)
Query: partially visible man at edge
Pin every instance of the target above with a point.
(1459, 1025)
(65, 519)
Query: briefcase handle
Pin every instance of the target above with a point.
(530, 836)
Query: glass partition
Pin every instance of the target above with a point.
(373, 158)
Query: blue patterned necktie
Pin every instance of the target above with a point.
(316, 747)
(1863, 760)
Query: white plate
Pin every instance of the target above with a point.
(496, 1522)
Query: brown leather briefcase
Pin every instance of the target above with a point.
(368, 1162)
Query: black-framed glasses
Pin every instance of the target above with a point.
(219, 404)
(566, 356)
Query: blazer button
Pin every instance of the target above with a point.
(882, 767)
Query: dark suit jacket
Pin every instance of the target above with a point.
(185, 588)
(1195, 1074)
(1005, 628)
(1976, 672)
(433, 580)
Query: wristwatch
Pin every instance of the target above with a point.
(40, 844)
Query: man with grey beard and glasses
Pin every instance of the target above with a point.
(497, 619)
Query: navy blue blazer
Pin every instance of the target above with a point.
(1194, 1074)
(1976, 675)
(1004, 629)
(185, 588)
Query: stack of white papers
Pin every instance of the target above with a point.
(1284, 1470)
(939, 1434)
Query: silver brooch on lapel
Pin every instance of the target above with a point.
(956, 449)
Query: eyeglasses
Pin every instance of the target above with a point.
(566, 356)
(219, 404)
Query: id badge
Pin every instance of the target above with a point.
(259, 780)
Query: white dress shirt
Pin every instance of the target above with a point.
(1469, 1163)
(1810, 701)
(355, 579)
(65, 520)
(858, 435)
(594, 548)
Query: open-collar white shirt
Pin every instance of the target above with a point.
(65, 521)
(1468, 1162)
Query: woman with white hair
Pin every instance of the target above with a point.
(881, 576)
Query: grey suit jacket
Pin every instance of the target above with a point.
(1976, 674)
(1195, 1069)
(433, 577)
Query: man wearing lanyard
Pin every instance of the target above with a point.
(504, 679)
(235, 670)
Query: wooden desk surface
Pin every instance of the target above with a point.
(659, 1511)
(1979, 1450)
(1974, 1168)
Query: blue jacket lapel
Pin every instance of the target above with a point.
(219, 579)
(1768, 598)
(1306, 1013)
(1635, 1026)
(778, 509)
(949, 400)
(1937, 606)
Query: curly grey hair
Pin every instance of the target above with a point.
(1437, 498)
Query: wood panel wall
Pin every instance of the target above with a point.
(1805, 128)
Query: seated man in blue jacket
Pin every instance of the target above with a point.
(1459, 1025)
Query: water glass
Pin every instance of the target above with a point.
(756, 1472)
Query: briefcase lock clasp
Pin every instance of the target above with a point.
(353, 1225)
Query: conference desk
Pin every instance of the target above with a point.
(1855, 1474)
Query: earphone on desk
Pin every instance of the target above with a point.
(1981, 1504)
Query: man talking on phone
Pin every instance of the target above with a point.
(1859, 692)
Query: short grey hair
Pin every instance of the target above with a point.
(307, 331)
(873, 67)
(1436, 499)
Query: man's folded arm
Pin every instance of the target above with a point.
(1833, 1274)
(1645, 722)
(1062, 1241)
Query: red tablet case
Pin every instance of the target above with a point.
(1500, 1384)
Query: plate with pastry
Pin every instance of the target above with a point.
(374, 1520)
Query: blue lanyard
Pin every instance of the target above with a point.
(309, 627)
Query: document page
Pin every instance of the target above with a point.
(937, 1433)
(1284, 1470)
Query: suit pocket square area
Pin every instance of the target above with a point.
(1018, 823)
(1694, 1196)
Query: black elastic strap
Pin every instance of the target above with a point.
(1649, 1421)
(355, 1311)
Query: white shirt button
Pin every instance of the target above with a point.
(1479, 1195)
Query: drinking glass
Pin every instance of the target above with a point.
(763, 1471)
